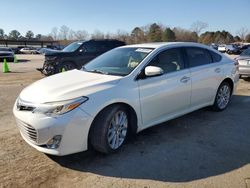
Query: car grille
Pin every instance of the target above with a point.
(24, 106)
(27, 131)
(4, 54)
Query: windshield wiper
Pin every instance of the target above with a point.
(97, 71)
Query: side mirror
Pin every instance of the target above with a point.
(82, 50)
(153, 71)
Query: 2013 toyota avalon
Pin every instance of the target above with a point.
(122, 92)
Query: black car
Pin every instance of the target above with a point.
(6, 53)
(244, 47)
(76, 54)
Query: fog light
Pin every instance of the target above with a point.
(54, 142)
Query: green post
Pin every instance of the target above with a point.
(5, 66)
(63, 70)
(15, 59)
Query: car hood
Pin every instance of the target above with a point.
(6, 52)
(50, 53)
(67, 85)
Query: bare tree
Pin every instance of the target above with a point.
(81, 35)
(64, 32)
(185, 35)
(137, 35)
(71, 35)
(198, 26)
(29, 34)
(97, 35)
(54, 33)
(123, 36)
(108, 35)
(1, 33)
(242, 32)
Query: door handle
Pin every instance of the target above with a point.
(185, 79)
(217, 70)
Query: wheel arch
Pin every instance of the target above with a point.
(230, 82)
(132, 118)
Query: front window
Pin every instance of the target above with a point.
(119, 61)
(72, 47)
(5, 49)
(169, 60)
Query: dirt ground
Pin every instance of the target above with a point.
(201, 149)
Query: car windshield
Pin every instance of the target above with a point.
(5, 49)
(72, 47)
(246, 52)
(119, 61)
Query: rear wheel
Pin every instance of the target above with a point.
(223, 96)
(110, 129)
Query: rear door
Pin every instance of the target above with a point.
(205, 76)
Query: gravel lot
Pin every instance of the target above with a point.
(201, 149)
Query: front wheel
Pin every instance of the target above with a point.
(110, 129)
(223, 97)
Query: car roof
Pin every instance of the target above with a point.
(156, 45)
(4, 47)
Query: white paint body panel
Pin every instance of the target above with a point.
(154, 99)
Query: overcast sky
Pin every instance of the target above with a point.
(111, 15)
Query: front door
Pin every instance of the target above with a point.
(165, 96)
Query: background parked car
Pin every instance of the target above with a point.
(222, 48)
(244, 62)
(75, 55)
(244, 47)
(29, 50)
(232, 49)
(214, 46)
(6, 53)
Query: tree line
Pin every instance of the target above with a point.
(150, 33)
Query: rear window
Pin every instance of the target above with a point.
(216, 57)
(198, 56)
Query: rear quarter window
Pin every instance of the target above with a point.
(215, 57)
(198, 56)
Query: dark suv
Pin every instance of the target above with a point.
(76, 54)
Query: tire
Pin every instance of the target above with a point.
(106, 134)
(222, 97)
(66, 66)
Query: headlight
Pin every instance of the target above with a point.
(60, 107)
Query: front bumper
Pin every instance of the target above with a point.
(49, 68)
(73, 126)
(8, 58)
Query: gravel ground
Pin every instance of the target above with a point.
(201, 149)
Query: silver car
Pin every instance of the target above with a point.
(244, 63)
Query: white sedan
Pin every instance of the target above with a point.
(122, 92)
(29, 51)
